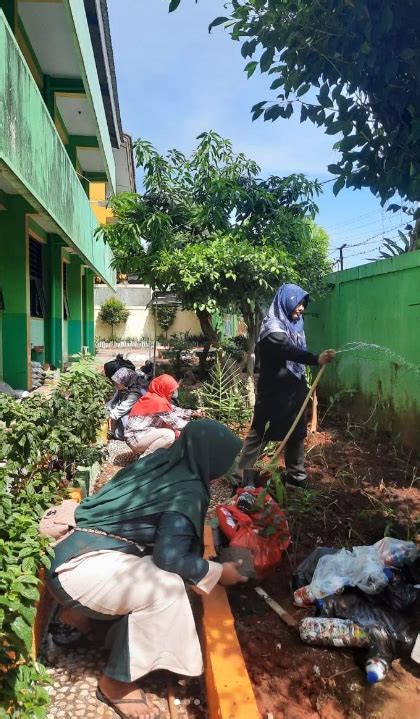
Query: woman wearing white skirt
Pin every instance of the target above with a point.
(135, 544)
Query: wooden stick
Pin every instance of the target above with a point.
(314, 419)
(275, 606)
(173, 711)
(299, 415)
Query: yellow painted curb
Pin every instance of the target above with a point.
(229, 689)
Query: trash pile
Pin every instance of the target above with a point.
(252, 520)
(38, 375)
(15, 393)
(367, 598)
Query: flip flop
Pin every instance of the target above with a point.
(102, 698)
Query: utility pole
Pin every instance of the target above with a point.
(340, 249)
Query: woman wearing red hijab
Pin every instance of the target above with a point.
(155, 422)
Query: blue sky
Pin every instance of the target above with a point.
(175, 81)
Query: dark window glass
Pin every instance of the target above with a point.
(66, 311)
(36, 279)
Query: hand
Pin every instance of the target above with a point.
(198, 413)
(231, 574)
(326, 357)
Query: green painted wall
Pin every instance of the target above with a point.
(38, 159)
(74, 293)
(378, 304)
(13, 280)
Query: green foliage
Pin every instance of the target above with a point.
(223, 396)
(235, 347)
(165, 315)
(350, 67)
(42, 440)
(210, 229)
(113, 312)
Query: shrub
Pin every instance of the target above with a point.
(113, 312)
(223, 396)
(235, 347)
(42, 440)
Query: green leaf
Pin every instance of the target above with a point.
(23, 631)
(173, 5)
(251, 67)
(266, 59)
(338, 185)
(218, 21)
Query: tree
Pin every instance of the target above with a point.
(350, 66)
(210, 230)
(113, 312)
(165, 315)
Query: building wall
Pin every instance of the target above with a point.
(375, 304)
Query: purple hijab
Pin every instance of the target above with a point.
(278, 319)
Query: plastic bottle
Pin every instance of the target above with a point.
(303, 597)
(333, 632)
(376, 670)
(396, 552)
(246, 500)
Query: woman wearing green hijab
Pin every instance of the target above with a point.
(134, 545)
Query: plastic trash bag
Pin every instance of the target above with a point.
(391, 634)
(361, 567)
(305, 571)
(396, 552)
(264, 532)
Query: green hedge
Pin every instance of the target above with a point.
(42, 441)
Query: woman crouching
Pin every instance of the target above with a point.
(134, 545)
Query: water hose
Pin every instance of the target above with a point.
(312, 389)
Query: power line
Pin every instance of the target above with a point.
(353, 219)
(372, 237)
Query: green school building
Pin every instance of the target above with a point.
(62, 155)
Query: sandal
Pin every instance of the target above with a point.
(102, 698)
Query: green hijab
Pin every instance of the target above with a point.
(169, 480)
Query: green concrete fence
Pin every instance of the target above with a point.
(379, 304)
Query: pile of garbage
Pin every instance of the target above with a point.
(15, 393)
(38, 375)
(367, 597)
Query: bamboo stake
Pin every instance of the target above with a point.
(314, 420)
(275, 606)
(300, 413)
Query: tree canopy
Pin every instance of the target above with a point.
(211, 230)
(350, 66)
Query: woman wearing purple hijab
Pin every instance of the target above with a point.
(282, 386)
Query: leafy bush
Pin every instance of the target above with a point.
(42, 440)
(113, 312)
(165, 315)
(235, 347)
(223, 396)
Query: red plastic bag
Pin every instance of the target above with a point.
(264, 532)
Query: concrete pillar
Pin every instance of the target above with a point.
(88, 310)
(15, 286)
(74, 294)
(55, 293)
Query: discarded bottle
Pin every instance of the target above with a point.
(376, 670)
(396, 552)
(333, 632)
(246, 501)
(303, 597)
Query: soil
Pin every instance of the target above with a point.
(361, 484)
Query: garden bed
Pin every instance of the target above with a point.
(362, 484)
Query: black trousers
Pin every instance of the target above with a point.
(254, 444)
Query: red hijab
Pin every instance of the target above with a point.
(157, 398)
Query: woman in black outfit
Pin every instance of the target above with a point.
(282, 387)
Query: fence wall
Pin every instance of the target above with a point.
(379, 304)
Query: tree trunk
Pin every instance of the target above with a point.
(251, 318)
(212, 338)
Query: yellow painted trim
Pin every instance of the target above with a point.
(28, 57)
(34, 235)
(81, 95)
(59, 124)
(229, 690)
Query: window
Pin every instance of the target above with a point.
(37, 297)
(66, 310)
